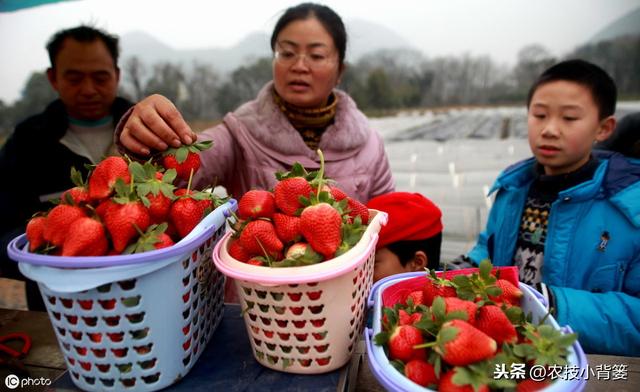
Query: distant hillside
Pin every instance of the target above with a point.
(364, 37)
(628, 24)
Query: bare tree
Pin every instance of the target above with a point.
(134, 72)
(532, 61)
(202, 84)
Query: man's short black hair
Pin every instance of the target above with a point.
(406, 250)
(82, 34)
(597, 80)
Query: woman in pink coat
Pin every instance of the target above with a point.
(298, 112)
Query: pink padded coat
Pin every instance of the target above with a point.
(257, 140)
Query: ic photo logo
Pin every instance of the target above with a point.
(12, 381)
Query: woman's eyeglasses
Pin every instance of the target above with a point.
(312, 60)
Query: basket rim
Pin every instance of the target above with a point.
(325, 270)
(19, 253)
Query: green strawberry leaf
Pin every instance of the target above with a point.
(138, 172)
(169, 176)
(297, 170)
(398, 365)
(381, 338)
(76, 177)
(181, 154)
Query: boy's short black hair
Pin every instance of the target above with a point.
(82, 34)
(597, 80)
(405, 250)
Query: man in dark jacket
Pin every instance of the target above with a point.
(73, 131)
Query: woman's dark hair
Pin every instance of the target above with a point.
(405, 250)
(325, 15)
(85, 34)
(595, 79)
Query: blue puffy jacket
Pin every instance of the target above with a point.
(595, 280)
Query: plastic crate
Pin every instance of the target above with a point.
(390, 378)
(305, 319)
(141, 323)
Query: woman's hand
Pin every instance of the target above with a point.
(155, 123)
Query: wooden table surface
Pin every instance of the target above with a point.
(46, 360)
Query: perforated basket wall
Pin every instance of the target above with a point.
(143, 333)
(310, 327)
(133, 322)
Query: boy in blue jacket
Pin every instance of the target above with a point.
(569, 217)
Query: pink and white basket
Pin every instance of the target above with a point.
(305, 319)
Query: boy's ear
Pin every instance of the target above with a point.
(606, 128)
(419, 261)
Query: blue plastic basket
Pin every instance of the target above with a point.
(135, 322)
(390, 378)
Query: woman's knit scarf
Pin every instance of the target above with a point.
(310, 123)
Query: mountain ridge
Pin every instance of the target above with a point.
(363, 37)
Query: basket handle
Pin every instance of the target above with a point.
(75, 280)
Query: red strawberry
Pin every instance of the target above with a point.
(35, 232)
(420, 372)
(256, 203)
(358, 209)
(154, 238)
(453, 304)
(104, 176)
(321, 226)
(510, 293)
(121, 221)
(401, 343)
(447, 384)
(530, 385)
(337, 193)
(468, 344)
(416, 296)
(183, 191)
(59, 221)
(260, 236)
(238, 252)
(404, 318)
(257, 261)
(86, 237)
(287, 194)
(103, 207)
(159, 207)
(75, 196)
(184, 168)
(437, 287)
(185, 214)
(494, 322)
(287, 227)
(184, 159)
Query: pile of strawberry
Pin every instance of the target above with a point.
(124, 207)
(303, 221)
(453, 334)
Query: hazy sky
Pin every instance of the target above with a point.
(498, 28)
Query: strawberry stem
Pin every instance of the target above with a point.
(320, 174)
(190, 178)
